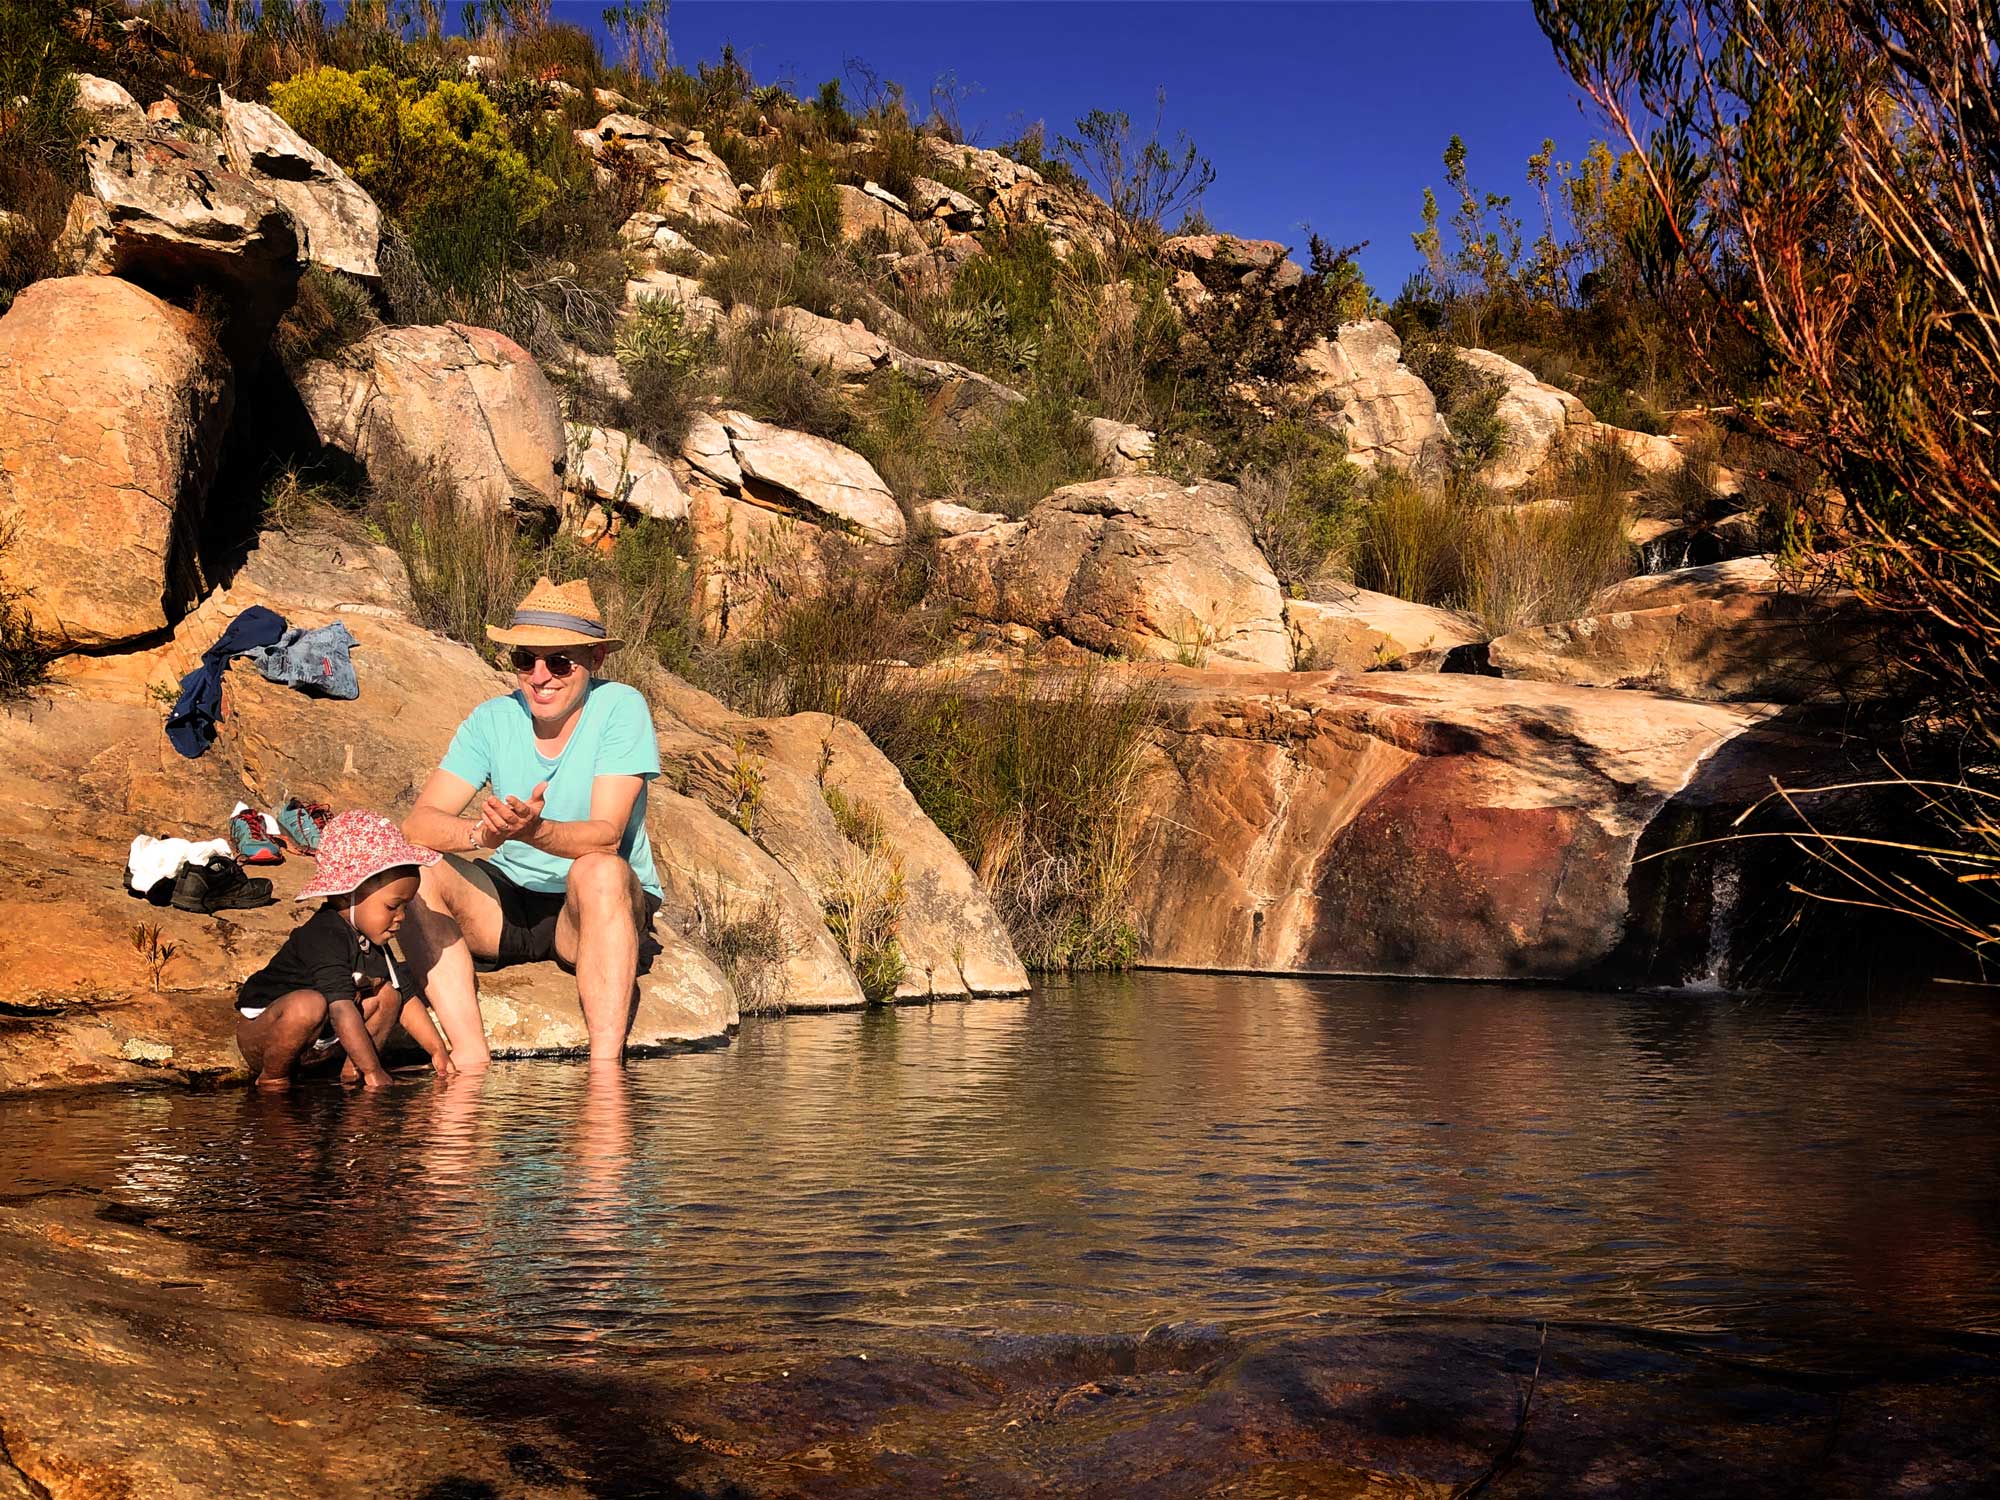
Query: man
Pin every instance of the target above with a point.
(569, 876)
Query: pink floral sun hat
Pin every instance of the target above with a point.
(357, 845)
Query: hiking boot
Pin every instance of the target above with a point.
(219, 885)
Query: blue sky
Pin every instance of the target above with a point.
(1333, 115)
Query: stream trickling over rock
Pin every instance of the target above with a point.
(909, 1232)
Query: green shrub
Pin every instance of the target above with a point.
(39, 133)
(1036, 448)
(1534, 564)
(1412, 540)
(465, 563)
(438, 154)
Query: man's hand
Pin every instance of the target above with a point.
(511, 818)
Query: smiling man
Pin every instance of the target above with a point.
(564, 760)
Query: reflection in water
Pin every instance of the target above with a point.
(1100, 1158)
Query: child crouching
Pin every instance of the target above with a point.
(333, 984)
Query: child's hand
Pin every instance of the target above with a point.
(442, 1064)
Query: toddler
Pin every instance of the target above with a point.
(333, 984)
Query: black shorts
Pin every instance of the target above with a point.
(527, 918)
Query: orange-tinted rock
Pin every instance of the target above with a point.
(1403, 824)
(107, 446)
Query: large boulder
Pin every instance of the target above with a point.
(1358, 630)
(1359, 380)
(469, 400)
(863, 213)
(618, 469)
(1729, 630)
(339, 225)
(951, 939)
(795, 472)
(1540, 422)
(165, 212)
(1408, 823)
(91, 768)
(1139, 566)
(112, 408)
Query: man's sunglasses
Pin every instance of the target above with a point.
(559, 663)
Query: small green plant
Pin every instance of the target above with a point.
(864, 909)
(747, 938)
(332, 311)
(153, 954)
(746, 786)
(1193, 639)
(25, 656)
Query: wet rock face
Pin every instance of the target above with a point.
(1415, 824)
(1139, 566)
(107, 447)
(467, 399)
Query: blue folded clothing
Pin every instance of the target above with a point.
(314, 660)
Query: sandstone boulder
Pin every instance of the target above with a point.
(339, 225)
(1357, 630)
(92, 767)
(469, 400)
(952, 940)
(795, 472)
(752, 561)
(863, 213)
(1728, 630)
(616, 468)
(649, 234)
(1408, 824)
(1121, 448)
(1540, 421)
(108, 442)
(1138, 566)
(1225, 263)
(165, 212)
(846, 350)
(931, 199)
(1369, 395)
(104, 99)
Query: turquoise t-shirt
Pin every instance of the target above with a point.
(495, 747)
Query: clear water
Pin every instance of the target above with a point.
(1776, 1180)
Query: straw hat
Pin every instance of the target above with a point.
(556, 614)
(357, 846)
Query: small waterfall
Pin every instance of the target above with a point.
(1725, 884)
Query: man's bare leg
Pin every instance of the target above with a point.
(598, 934)
(272, 1040)
(449, 921)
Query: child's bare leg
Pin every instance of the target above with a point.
(423, 1031)
(272, 1041)
(349, 1025)
(378, 1014)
